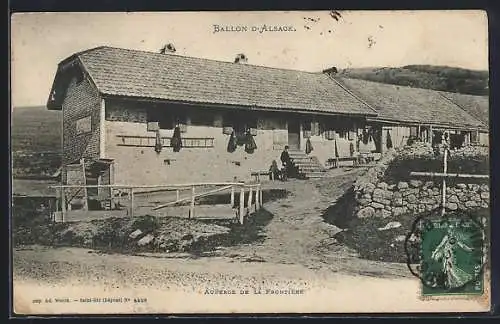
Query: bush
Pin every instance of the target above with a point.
(399, 169)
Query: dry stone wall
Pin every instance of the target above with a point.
(376, 198)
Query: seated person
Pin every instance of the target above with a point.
(274, 171)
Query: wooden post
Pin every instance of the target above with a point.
(85, 193)
(430, 134)
(177, 193)
(249, 206)
(260, 196)
(257, 202)
(63, 204)
(131, 202)
(232, 196)
(191, 209)
(242, 204)
(445, 169)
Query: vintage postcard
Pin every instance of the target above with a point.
(250, 162)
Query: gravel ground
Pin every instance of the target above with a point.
(296, 251)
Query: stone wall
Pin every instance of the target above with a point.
(380, 199)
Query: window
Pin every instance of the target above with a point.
(166, 119)
(413, 131)
(474, 137)
(202, 118)
(240, 122)
(84, 125)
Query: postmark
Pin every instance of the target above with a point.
(447, 253)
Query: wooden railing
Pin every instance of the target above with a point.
(251, 194)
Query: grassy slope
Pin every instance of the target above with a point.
(35, 129)
(426, 76)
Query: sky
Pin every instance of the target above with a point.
(39, 41)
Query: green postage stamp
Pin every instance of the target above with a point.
(451, 257)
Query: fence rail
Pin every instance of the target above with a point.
(118, 192)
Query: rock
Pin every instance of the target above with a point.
(376, 205)
(411, 198)
(415, 183)
(412, 207)
(485, 205)
(485, 195)
(367, 196)
(484, 187)
(461, 186)
(429, 184)
(391, 187)
(397, 202)
(135, 234)
(382, 185)
(470, 204)
(423, 193)
(427, 201)
(453, 199)
(397, 194)
(396, 211)
(388, 194)
(145, 240)
(429, 207)
(400, 238)
(452, 206)
(390, 225)
(382, 213)
(473, 186)
(477, 197)
(402, 185)
(369, 188)
(366, 212)
(383, 201)
(364, 202)
(378, 193)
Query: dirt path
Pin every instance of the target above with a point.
(297, 234)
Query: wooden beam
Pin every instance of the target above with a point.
(190, 197)
(449, 175)
(193, 196)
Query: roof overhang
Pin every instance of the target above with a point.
(241, 107)
(417, 123)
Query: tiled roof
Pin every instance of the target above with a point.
(477, 106)
(133, 73)
(411, 105)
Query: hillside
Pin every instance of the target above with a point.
(441, 78)
(35, 142)
(35, 129)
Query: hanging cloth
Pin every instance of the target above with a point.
(176, 141)
(158, 142)
(365, 137)
(389, 140)
(309, 147)
(250, 145)
(233, 143)
(351, 149)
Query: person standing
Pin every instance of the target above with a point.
(286, 162)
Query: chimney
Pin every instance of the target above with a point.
(331, 71)
(241, 58)
(168, 48)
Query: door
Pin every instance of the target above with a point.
(294, 135)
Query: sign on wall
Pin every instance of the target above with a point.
(84, 125)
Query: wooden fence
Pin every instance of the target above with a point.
(250, 196)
